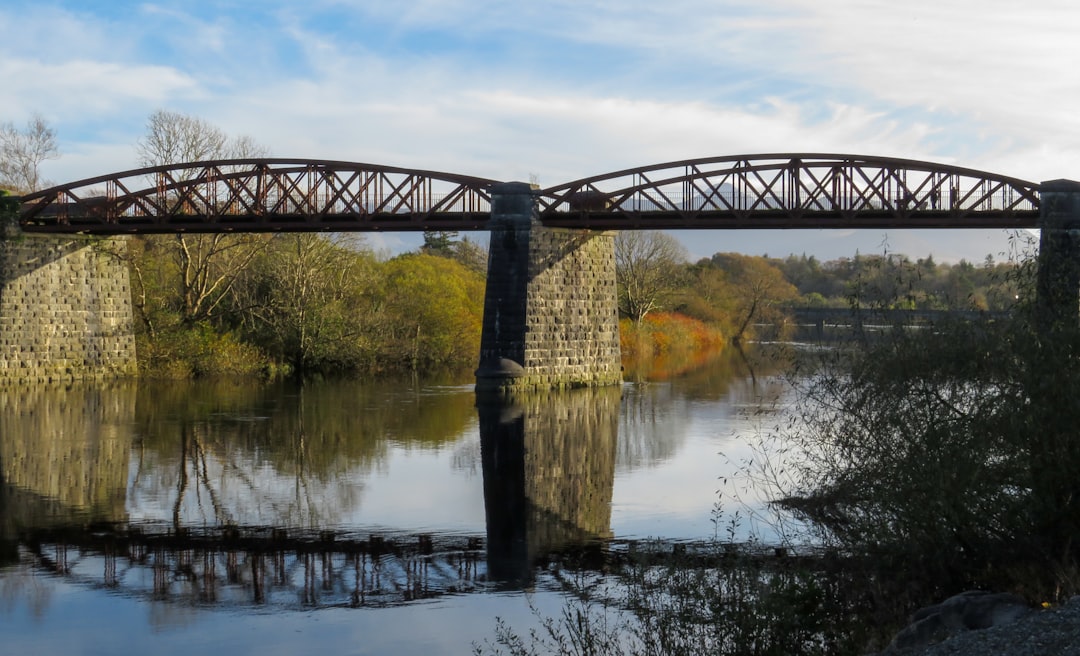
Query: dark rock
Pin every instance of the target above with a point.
(966, 611)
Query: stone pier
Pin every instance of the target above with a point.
(1058, 285)
(551, 316)
(65, 310)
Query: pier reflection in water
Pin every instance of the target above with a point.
(549, 470)
(64, 458)
(191, 499)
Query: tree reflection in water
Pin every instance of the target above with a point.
(281, 455)
(222, 495)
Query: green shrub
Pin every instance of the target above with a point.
(199, 351)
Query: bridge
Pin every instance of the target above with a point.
(748, 191)
(820, 324)
(550, 317)
(238, 568)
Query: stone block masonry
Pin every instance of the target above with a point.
(551, 318)
(65, 310)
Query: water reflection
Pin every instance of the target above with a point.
(64, 457)
(654, 418)
(549, 471)
(194, 492)
(214, 496)
(237, 567)
(656, 415)
(281, 455)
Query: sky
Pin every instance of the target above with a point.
(556, 90)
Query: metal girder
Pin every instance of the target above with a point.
(793, 191)
(745, 191)
(261, 195)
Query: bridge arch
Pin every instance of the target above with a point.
(260, 195)
(807, 190)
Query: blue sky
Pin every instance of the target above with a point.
(558, 90)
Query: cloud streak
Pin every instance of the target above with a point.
(559, 89)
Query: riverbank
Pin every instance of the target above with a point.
(1054, 631)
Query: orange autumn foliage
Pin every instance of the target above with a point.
(665, 344)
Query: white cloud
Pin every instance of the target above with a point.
(188, 31)
(564, 89)
(81, 87)
(1004, 69)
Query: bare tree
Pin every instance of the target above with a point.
(209, 264)
(23, 150)
(313, 297)
(173, 138)
(648, 268)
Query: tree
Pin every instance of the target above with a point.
(438, 242)
(444, 243)
(309, 300)
(436, 306)
(23, 150)
(174, 138)
(9, 207)
(648, 269)
(756, 291)
(471, 254)
(208, 264)
(704, 291)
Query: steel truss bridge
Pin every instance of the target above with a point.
(745, 191)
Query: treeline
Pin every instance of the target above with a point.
(897, 282)
(302, 303)
(295, 304)
(737, 293)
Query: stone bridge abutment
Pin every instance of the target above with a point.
(65, 310)
(1058, 284)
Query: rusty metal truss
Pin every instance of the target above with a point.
(261, 195)
(746, 191)
(793, 191)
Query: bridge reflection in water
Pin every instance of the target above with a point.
(69, 460)
(251, 566)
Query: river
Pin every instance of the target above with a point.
(347, 517)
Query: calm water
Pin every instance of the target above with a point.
(343, 517)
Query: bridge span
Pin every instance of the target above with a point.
(746, 191)
(550, 315)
